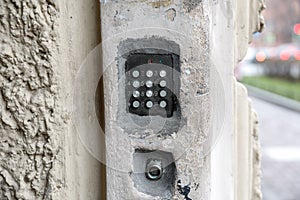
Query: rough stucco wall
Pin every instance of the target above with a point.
(41, 52)
(30, 143)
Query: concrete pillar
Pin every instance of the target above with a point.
(207, 146)
(246, 141)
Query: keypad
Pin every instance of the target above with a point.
(149, 85)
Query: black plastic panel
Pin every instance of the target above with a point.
(150, 84)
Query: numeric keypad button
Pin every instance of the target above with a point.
(163, 104)
(135, 73)
(149, 73)
(136, 94)
(136, 84)
(149, 104)
(162, 73)
(149, 84)
(136, 104)
(163, 83)
(163, 93)
(149, 93)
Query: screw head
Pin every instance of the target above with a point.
(154, 170)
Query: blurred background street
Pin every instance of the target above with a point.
(280, 139)
(272, 65)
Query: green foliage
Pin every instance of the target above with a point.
(283, 87)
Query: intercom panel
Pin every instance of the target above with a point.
(151, 84)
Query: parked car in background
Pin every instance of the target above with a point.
(280, 61)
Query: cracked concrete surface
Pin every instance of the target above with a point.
(143, 25)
